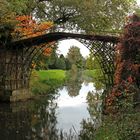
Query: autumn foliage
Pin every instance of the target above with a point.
(28, 27)
(127, 73)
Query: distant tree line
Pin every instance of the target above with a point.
(73, 58)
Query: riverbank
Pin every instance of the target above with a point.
(44, 81)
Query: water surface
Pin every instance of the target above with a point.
(72, 110)
(47, 117)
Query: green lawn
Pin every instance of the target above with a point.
(51, 74)
(44, 81)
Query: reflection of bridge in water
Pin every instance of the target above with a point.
(28, 120)
(16, 59)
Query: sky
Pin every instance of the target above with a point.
(64, 45)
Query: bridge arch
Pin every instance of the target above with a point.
(16, 59)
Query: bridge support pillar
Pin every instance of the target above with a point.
(15, 95)
(14, 75)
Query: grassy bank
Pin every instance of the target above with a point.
(44, 81)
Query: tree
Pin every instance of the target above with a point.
(7, 22)
(68, 65)
(60, 62)
(89, 62)
(51, 60)
(74, 81)
(27, 27)
(75, 57)
(26, 7)
(89, 16)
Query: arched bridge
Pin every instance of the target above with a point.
(16, 59)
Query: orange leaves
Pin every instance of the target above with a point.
(47, 51)
(24, 18)
(28, 27)
(118, 72)
(33, 65)
(45, 25)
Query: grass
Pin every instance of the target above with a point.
(44, 81)
(124, 126)
(51, 74)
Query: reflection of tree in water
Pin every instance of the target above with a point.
(44, 121)
(74, 83)
(33, 120)
(14, 122)
(90, 125)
